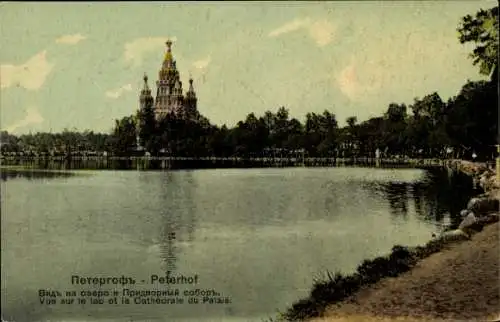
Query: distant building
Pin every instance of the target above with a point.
(169, 96)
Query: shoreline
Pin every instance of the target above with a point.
(185, 163)
(481, 211)
(6, 168)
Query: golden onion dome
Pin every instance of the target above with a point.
(168, 54)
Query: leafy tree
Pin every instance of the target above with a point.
(147, 127)
(124, 135)
(482, 29)
(351, 121)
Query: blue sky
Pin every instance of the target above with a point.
(80, 65)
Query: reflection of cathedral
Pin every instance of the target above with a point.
(178, 220)
(168, 247)
(169, 96)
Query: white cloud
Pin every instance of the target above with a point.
(32, 117)
(347, 81)
(289, 27)
(137, 48)
(202, 63)
(357, 86)
(116, 93)
(399, 67)
(30, 75)
(70, 39)
(321, 32)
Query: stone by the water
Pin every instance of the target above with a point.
(464, 213)
(472, 203)
(454, 235)
(468, 221)
(482, 206)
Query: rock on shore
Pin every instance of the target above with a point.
(483, 209)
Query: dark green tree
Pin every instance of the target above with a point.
(124, 135)
(147, 127)
(482, 30)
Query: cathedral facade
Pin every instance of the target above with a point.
(169, 94)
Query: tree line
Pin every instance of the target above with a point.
(463, 125)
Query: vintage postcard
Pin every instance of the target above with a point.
(249, 161)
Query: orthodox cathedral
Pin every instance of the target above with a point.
(169, 96)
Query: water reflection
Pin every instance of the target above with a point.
(396, 194)
(178, 224)
(9, 174)
(438, 197)
(68, 164)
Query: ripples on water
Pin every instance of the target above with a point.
(256, 235)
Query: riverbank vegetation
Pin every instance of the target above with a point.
(427, 127)
(337, 287)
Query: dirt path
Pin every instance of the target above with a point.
(461, 283)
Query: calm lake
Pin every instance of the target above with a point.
(257, 237)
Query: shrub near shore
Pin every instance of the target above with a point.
(338, 287)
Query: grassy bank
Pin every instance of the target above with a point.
(337, 287)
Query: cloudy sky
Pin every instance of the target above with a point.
(80, 65)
